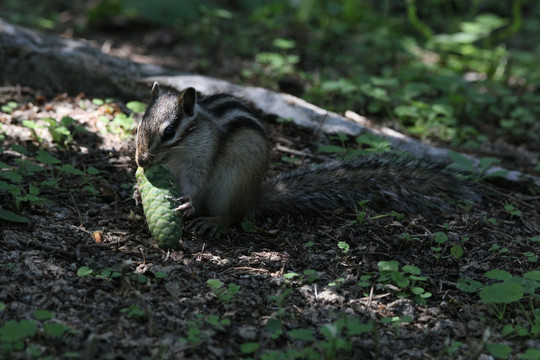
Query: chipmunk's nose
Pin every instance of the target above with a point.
(142, 160)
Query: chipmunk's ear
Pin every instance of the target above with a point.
(187, 100)
(155, 91)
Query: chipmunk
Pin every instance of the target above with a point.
(219, 153)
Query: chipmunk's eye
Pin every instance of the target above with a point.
(168, 134)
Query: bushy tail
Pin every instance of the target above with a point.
(388, 181)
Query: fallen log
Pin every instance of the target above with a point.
(55, 65)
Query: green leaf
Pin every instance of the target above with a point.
(461, 161)
(411, 269)
(344, 246)
(18, 148)
(456, 251)
(501, 293)
(160, 275)
(70, 169)
(2, 306)
(11, 216)
(274, 326)
(43, 314)
(214, 283)
(67, 120)
(248, 225)
(342, 86)
(13, 331)
(92, 170)
(30, 124)
(468, 285)
(497, 274)
(46, 158)
(417, 290)
(284, 44)
(440, 237)
(290, 275)
(391, 265)
(406, 111)
(355, 327)
(249, 347)
(530, 354)
(12, 188)
(500, 351)
(301, 334)
(55, 330)
(233, 288)
(136, 106)
(84, 271)
(213, 320)
(12, 176)
(532, 275)
(331, 149)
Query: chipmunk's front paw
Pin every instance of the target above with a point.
(137, 195)
(186, 207)
(205, 225)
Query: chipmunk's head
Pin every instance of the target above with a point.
(168, 118)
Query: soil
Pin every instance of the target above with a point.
(143, 302)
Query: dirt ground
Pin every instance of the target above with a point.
(137, 301)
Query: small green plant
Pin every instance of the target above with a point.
(453, 347)
(329, 341)
(222, 292)
(512, 210)
(218, 322)
(197, 328)
(134, 311)
(396, 321)
(280, 120)
(403, 282)
(16, 186)
(470, 171)
(102, 274)
(362, 218)
(9, 107)
(407, 237)
(14, 334)
(365, 143)
(308, 275)
(509, 291)
(361, 215)
(344, 247)
(337, 283)
(439, 238)
(364, 281)
(194, 335)
(279, 300)
(498, 249)
(274, 64)
(274, 327)
(248, 225)
(122, 124)
(87, 175)
(61, 131)
(500, 351)
(249, 347)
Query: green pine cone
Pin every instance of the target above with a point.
(158, 193)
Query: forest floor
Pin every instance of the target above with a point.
(347, 285)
